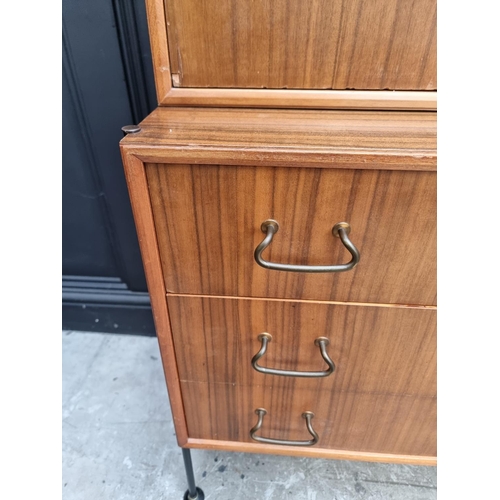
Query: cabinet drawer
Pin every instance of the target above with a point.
(376, 350)
(208, 223)
(349, 421)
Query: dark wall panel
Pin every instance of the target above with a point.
(86, 248)
(107, 83)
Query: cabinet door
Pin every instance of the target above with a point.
(297, 44)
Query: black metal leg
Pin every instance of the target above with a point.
(193, 493)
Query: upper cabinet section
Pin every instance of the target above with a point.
(297, 44)
(295, 53)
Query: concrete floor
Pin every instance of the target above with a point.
(119, 441)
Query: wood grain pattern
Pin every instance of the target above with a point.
(363, 456)
(169, 95)
(376, 350)
(208, 219)
(350, 421)
(138, 192)
(320, 44)
(317, 99)
(341, 139)
(159, 47)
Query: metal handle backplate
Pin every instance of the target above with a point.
(308, 415)
(321, 342)
(340, 230)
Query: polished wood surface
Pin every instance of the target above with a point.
(170, 94)
(350, 421)
(202, 179)
(139, 198)
(341, 139)
(159, 47)
(292, 44)
(376, 350)
(208, 218)
(317, 99)
(363, 456)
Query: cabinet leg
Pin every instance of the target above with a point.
(193, 493)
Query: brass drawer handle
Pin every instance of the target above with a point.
(308, 415)
(340, 230)
(321, 342)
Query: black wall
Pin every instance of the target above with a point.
(107, 83)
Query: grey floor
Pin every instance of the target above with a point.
(119, 441)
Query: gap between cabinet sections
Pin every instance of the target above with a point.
(307, 301)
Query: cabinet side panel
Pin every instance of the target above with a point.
(143, 216)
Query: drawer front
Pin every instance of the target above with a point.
(376, 350)
(350, 421)
(208, 224)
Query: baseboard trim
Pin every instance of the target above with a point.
(102, 304)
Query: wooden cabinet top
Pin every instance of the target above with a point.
(389, 140)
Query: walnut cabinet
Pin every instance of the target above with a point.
(284, 194)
